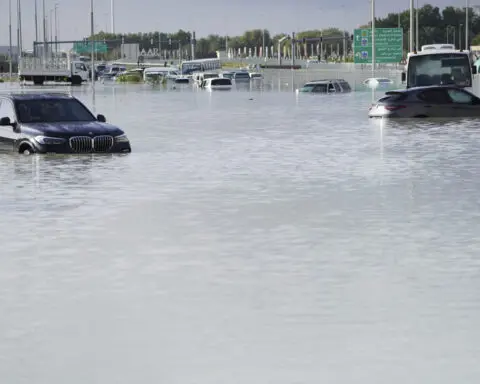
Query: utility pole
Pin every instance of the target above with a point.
(36, 25)
(467, 44)
(10, 37)
(417, 46)
(193, 45)
(263, 43)
(112, 15)
(373, 38)
(44, 53)
(92, 70)
(18, 25)
(410, 47)
(56, 40)
(293, 49)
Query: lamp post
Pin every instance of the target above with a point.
(280, 47)
(36, 25)
(410, 48)
(44, 53)
(373, 37)
(263, 44)
(417, 46)
(112, 15)
(10, 37)
(51, 27)
(460, 36)
(92, 30)
(56, 30)
(467, 8)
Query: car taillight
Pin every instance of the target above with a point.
(394, 107)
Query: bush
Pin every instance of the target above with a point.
(133, 78)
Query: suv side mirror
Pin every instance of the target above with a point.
(101, 118)
(4, 121)
(404, 77)
(474, 69)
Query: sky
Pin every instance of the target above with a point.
(231, 17)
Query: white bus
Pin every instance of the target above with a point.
(201, 65)
(440, 64)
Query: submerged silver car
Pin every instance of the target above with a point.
(431, 101)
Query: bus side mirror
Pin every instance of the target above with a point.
(474, 69)
(404, 77)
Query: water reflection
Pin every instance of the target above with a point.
(292, 223)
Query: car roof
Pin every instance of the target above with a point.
(37, 96)
(323, 81)
(425, 87)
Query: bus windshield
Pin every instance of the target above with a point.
(439, 69)
(189, 68)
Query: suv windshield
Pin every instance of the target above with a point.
(52, 110)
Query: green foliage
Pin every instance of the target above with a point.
(132, 78)
(435, 26)
(205, 47)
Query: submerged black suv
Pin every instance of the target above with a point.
(55, 123)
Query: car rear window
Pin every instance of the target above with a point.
(393, 96)
(345, 86)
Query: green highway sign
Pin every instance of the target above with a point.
(86, 47)
(388, 45)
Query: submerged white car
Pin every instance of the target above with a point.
(378, 82)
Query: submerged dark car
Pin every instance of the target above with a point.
(55, 123)
(446, 101)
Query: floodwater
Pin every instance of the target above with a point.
(251, 237)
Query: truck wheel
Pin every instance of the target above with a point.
(76, 80)
(38, 80)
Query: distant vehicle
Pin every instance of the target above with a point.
(327, 86)
(241, 76)
(199, 77)
(378, 82)
(217, 83)
(439, 64)
(111, 71)
(315, 61)
(55, 123)
(256, 76)
(430, 101)
(227, 74)
(40, 70)
(199, 65)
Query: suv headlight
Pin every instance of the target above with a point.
(45, 140)
(121, 139)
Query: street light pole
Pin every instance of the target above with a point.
(112, 11)
(93, 45)
(263, 44)
(467, 7)
(56, 40)
(373, 38)
(10, 37)
(44, 34)
(36, 25)
(417, 46)
(410, 48)
(20, 39)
